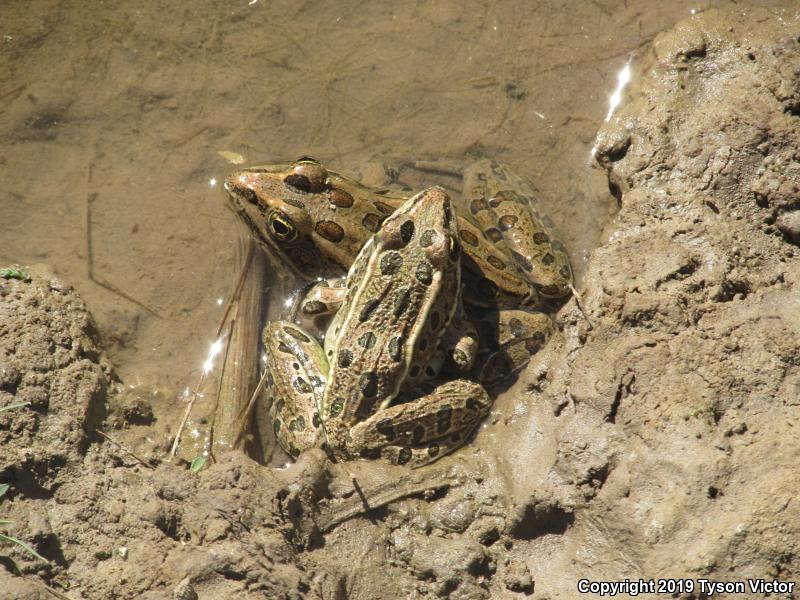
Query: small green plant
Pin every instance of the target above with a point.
(11, 407)
(15, 272)
(197, 464)
(7, 538)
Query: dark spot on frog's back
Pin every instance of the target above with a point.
(522, 261)
(496, 262)
(385, 427)
(478, 205)
(407, 231)
(444, 419)
(403, 456)
(540, 237)
(336, 408)
(368, 384)
(548, 259)
(391, 262)
(367, 340)
(493, 235)
(344, 358)
(396, 348)
(368, 309)
(383, 207)
(298, 424)
(424, 273)
(331, 231)
(340, 198)
(550, 290)
(401, 301)
(298, 182)
(506, 222)
(468, 238)
(294, 202)
(301, 385)
(372, 222)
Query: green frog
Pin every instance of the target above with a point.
(314, 221)
(359, 394)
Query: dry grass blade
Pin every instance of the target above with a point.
(125, 449)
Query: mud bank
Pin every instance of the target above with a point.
(653, 438)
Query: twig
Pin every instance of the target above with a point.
(90, 198)
(246, 410)
(237, 291)
(580, 305)
(55, 593)
(220, 381)
(435, 167)
(13, 91)
(360, 492)
(126, 450)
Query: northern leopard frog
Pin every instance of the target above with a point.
(314, 221)
(401, 294)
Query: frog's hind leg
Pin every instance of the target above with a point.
(503, 204)
(432, 425)
(423, 454)
(296, 374)
(508, 339)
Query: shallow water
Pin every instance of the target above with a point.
(113, 115)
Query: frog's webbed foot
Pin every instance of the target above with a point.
(422, 430)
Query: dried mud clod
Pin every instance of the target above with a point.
(50, 362)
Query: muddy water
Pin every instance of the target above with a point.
(112, 118)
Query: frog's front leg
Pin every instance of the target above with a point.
(315, 305)
(296, 375)
(422, 430)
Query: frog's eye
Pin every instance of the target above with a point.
(307, 159)
(307, 176)
(281, 227)
(455, 248)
